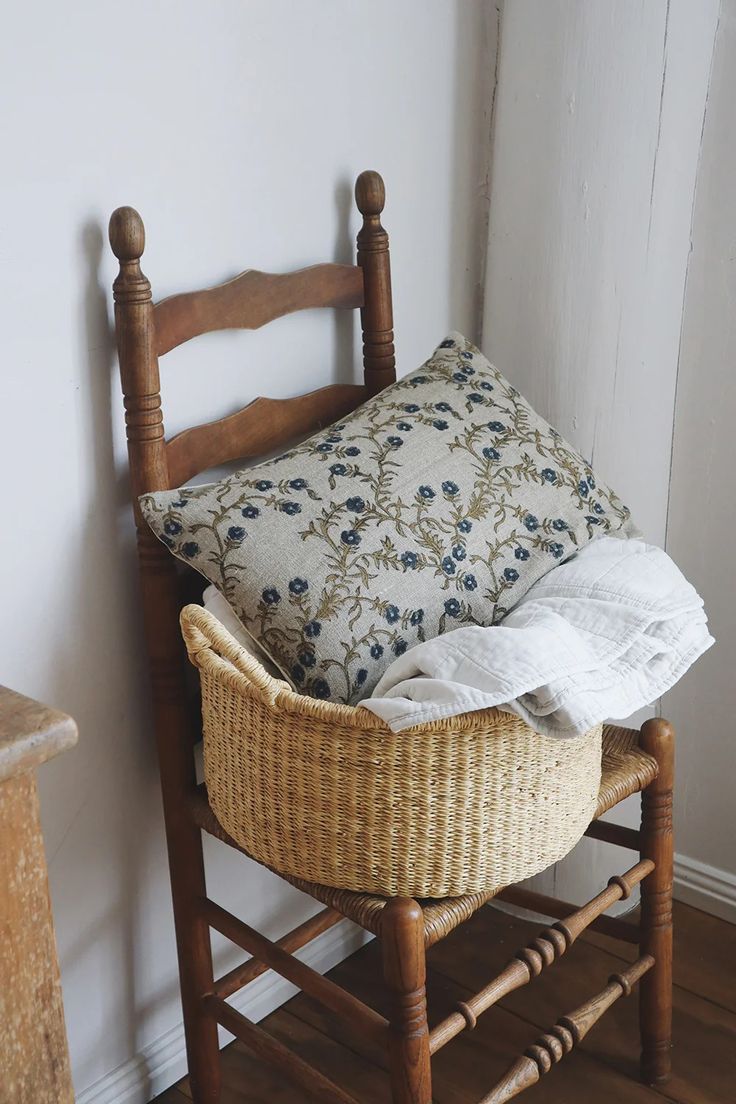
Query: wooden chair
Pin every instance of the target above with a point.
(632, 761)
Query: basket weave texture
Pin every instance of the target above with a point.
(326, 792)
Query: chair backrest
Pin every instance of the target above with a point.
(146, 332)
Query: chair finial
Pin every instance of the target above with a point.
(127, 234)
(370, 194)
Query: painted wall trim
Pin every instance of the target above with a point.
(706, 887)
(162, 1062)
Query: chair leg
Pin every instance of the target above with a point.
(655, 993)
(186, 864)
(404, 969)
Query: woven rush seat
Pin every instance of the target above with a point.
(626, 770)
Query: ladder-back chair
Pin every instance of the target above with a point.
(632, 761)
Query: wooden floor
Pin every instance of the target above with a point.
(602, 1071)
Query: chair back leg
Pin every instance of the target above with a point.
(655, 993)
(404, 968)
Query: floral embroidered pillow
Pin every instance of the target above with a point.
(437, 503)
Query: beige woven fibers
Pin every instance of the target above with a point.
(327, 793)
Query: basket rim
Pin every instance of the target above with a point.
(210, 644)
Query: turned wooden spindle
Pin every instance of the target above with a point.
(548, 946)
(34, 1060)
(404, 968)
(655, 996)
(139, 376)
(568, 1032)
(379, 363)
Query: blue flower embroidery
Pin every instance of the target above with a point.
(297, 484)
(405, 427)
(356, 504)
(350, 537)
(250, 511)
(426, 492)
(531, 523)
(409, 559)
(475, 397)
(400, 646)
(496, 427)
(583, 488)
(486, 385)
(464, 526)
(290, 508)
(180, 502)
(491, 453)
(522, 553)
(395, 442)
(352, 451)
(448, 343)
(321, 688)
(323, 446)
(312, 629)
(392, 614)
(466, 355)
(361, 676)
(376, 651)
(459, 376)
(598, 508)
(418, 379)
(443, 407)
(449, 487)
(298, 586)
(307, 659)
(470, 582)
(172, 527)
(448, 565)
(549, 475)
(411, 408)
(191, 548)
(511, 574)
(452, 607)
(459, 552)
(338, 469)
(556, 550)
(440, 424)
(417, 617)
(271, 596)
(559, 525)
(236, 533)
(264, 485)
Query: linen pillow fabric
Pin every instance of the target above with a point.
(437, 503)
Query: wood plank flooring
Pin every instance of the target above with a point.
(602, 1071)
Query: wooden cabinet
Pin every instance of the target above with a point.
(34, 1060)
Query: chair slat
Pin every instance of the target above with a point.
(262, 426)
(253, 299)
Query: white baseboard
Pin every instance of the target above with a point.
(706, 887)
(163, 1062)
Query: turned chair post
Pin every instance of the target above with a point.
(655, 995)
(376, 315)
(404, 968)
(161, 604)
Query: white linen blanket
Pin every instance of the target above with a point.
(597, 638)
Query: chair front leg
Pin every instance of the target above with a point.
(655, 992)
(404, 968)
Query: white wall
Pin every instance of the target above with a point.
(236, 129)
(701, 529)
(599, 113)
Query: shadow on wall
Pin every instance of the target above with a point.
(347, 364)
(98, 678)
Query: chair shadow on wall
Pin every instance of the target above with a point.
(99, 679)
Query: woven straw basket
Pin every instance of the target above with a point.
(327, 793)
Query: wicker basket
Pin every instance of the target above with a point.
(328, 793)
